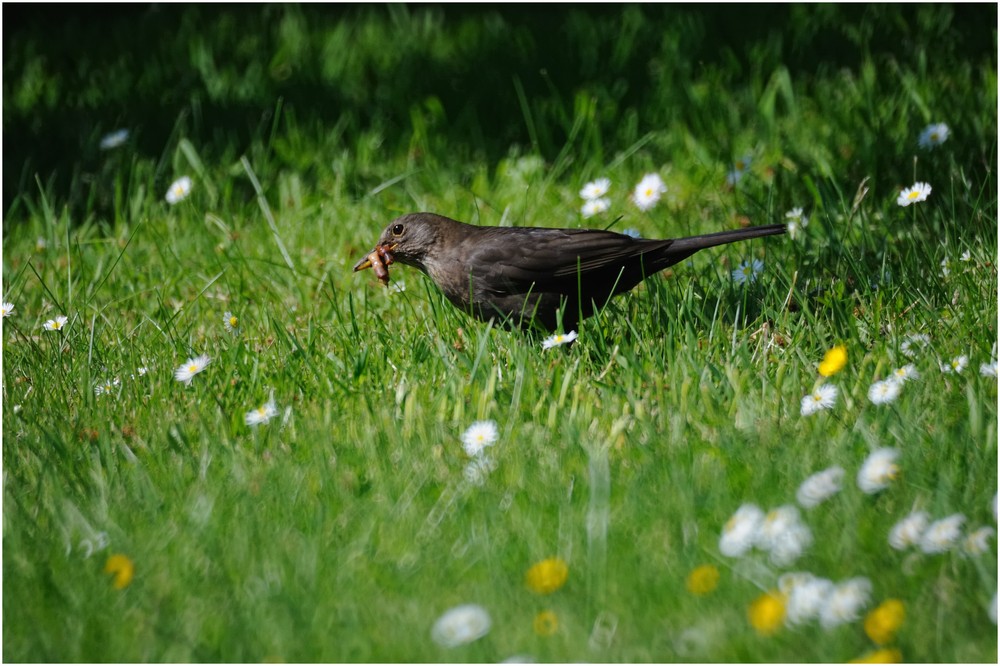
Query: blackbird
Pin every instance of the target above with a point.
(529, 276)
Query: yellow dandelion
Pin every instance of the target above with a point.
(882, 623)
(767, 612)
(547, 576)
(122, 569)
(546, 623)
(703, 580)
(883, 656)
(833, 361)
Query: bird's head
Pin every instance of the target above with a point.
(407, 240)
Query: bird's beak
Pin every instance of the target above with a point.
(381, 253)
(378, 260)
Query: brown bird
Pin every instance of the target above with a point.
(526, 276)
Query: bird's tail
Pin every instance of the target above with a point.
(682, 248)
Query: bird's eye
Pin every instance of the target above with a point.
(397, 230)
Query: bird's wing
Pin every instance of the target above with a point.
(546, 257)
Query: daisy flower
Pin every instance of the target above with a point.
(907, 373)
(179, 190)
(796, 221)
(933, 135)
(806, 595)
(823, 396)
(262, 414)
(478, 436)
(878, 470)
(907, 532)
(231, 323)
(558, 339)
(956, 365)
(985, 369)
(919, 192)
(885, 391)
(461, 625)
(978, 542)
(592, 207)
(648, 192)
(783, 535)
(740, 167)
(105, 387)
(191, 367)
(595, 189)
(820, 487)
(748, 271)
(6, 309)
(845, 602)
(114, 139)
(965, 256)
(740, 531)
(55, 324)
(913, 343)
(942, 535)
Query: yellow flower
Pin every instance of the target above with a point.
(833, 361)
(546, 623)
(883, 656)
(122, 568)
(882, 623)
(703, 580)
(767, 612)
(547, 576)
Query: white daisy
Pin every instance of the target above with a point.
(740, 167)
(796, 221)
(985, 369)
(231, 323)
(978, 542)
(748, 271)
(558, 339)
(805, 598)
(55, 324)
(885, 391)
(740, 531)
(595, 189)
(906, 373)
(191, 367)
(478, 436)
(6, 309)
(107, 386)
(179, 190)
(878, 470)
(823, 396)
(907, 532)
(942, 535)
(114, 139)
(956, 365)
(919, 192)
(648, 191)
(845, 602)
(965, 256)
(262, 414)
(914, 343)
(933, 135)
(783, 535)
(461, 625)
(820, 486)
(592, 207)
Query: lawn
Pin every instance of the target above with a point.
(319, 484)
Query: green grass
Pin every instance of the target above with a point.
(343, 528)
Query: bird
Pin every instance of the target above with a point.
(532, 277)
